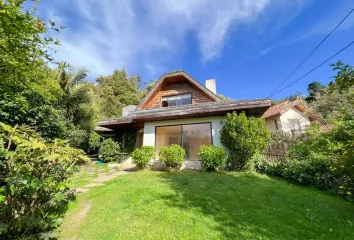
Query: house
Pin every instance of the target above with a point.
(289, 116)
(180, 110)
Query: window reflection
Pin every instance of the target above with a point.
(176, 100)
(189, 136)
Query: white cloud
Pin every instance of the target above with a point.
(151, 35)
(323, 26)
(266, 50)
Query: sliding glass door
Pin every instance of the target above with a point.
(188, 136)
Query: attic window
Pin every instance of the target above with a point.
(177, 100)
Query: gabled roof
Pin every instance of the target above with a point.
(178, 73)
(282, 107)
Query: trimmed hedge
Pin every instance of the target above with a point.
(212, 157)
(173, 156)
(142, 156)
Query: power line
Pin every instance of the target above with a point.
(313, 69)
(310, 54)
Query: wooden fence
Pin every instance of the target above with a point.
(272, 157)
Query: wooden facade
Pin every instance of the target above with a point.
(173, 88)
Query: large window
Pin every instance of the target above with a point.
(176, 100)
(188, 136)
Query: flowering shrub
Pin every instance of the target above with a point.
(212, 157)
(141, 156)
(173, 156)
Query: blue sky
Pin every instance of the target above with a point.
(248, 46)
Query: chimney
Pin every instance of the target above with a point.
(211, 85)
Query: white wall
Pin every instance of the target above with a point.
(270, 124)
(216, 124)
(293, 113)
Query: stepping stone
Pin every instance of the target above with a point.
(120, 173)
(80, 190)
(93, 185)
(113, 165)
(102, 179)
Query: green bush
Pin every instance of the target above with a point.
(109, 150)
(323, 160)
(94, 143)
(77, 137)
(173, 156)
(34, 190)
(243, 137)
(141, 156)
(212, 157)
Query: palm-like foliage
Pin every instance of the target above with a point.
(78, 99)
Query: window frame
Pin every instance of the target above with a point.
(176, 95)
(171, 125)
(276, 124)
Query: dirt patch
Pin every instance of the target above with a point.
(103, 179)
(82, 213)
(75, 220)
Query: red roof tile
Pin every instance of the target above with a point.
(280, 108)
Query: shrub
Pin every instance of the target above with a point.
(173, 156)
(280, 141)
(256, 163)
(212, 157)
(34, 189)
(95, 141)
(109, 150)
(323, 160)
(78, 138)
(243, 137)
(141, 156)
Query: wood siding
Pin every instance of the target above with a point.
(177, 88)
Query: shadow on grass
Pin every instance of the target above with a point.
(247, 206)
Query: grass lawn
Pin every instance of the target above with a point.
(87, 173)
(197, 205)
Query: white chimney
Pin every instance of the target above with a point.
(127, 109)
(211, 85)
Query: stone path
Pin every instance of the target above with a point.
(103, 175)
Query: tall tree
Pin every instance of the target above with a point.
(25, 47)
(344, 78)
(315, 89)
(116, 91)
(78, 100)
(337, 101)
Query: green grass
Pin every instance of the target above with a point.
(197, 205)
(84, 176)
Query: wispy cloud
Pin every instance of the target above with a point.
(322, 26)
(266, 50)
(151, 35)
(327, 23)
